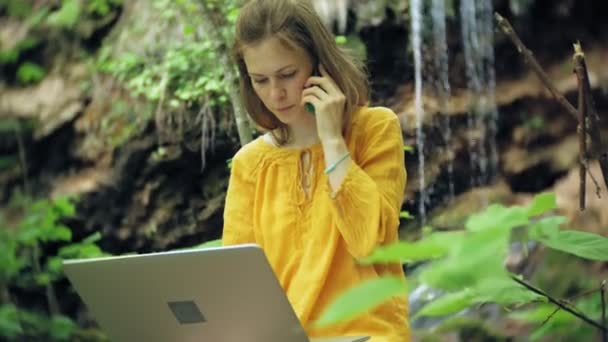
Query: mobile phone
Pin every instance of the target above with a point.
(309, 106)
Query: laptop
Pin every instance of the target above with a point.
(220, 294)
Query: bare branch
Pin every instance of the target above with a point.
(559, 303)
(530, 60)
(592, 120)
(603, 299)
(582, 133)
(598, 148)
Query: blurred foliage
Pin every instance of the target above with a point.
(467, 267)
(24, 268)
(40, 20)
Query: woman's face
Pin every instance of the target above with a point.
(278, 74)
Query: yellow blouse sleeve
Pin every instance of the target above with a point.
(238, 210)
(366, 206)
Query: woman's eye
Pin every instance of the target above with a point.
(259, 81)
(289, 75)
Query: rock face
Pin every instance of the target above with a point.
(145, 190)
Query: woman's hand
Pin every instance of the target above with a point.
(328, 100)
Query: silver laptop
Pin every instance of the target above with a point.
(221, 294)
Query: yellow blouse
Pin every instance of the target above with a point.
(312, 239)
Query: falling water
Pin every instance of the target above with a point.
(416, 38)
(441, 82)
(477, 37)
(487, 30)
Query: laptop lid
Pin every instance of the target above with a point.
(216, 294)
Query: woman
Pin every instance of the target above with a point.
(316, 191)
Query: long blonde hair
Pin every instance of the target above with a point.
(295, 22)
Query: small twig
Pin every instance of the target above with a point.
(582, 133)
(603, 299)
(22, 157)
(550, 316)
(598, 190)
(559, 303)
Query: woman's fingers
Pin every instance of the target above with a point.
(315, 91)
(325, 82)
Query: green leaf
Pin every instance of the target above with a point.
(62, 327)
(406, 252)
(448, 304)
(59, 233)
(541, 204)
(540, 314)
(547, 227)
(92, 238)
(64, 207)
(9, 56)
(585, 245)
(503, 291)
(341, 40)
(480, 255)
(188, 30)
(67, 16)
(42, 279)
(408, 148)
(497, 215)
(9, 321)
(54, 265)
(361, 298)
(30, 72)
(405, 215)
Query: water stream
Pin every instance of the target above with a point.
(416, 41)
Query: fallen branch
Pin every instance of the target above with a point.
(598, 149)
(561, 305)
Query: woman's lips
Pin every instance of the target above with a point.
(284, 108)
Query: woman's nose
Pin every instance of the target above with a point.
(277, 91)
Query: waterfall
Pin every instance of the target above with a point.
(442, 84)
(478, 43)
(416, 41)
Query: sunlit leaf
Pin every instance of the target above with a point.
(406, 252)
(541, 204)
(405, 215)
(447, 304)
(361, 298)
(583, 244)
